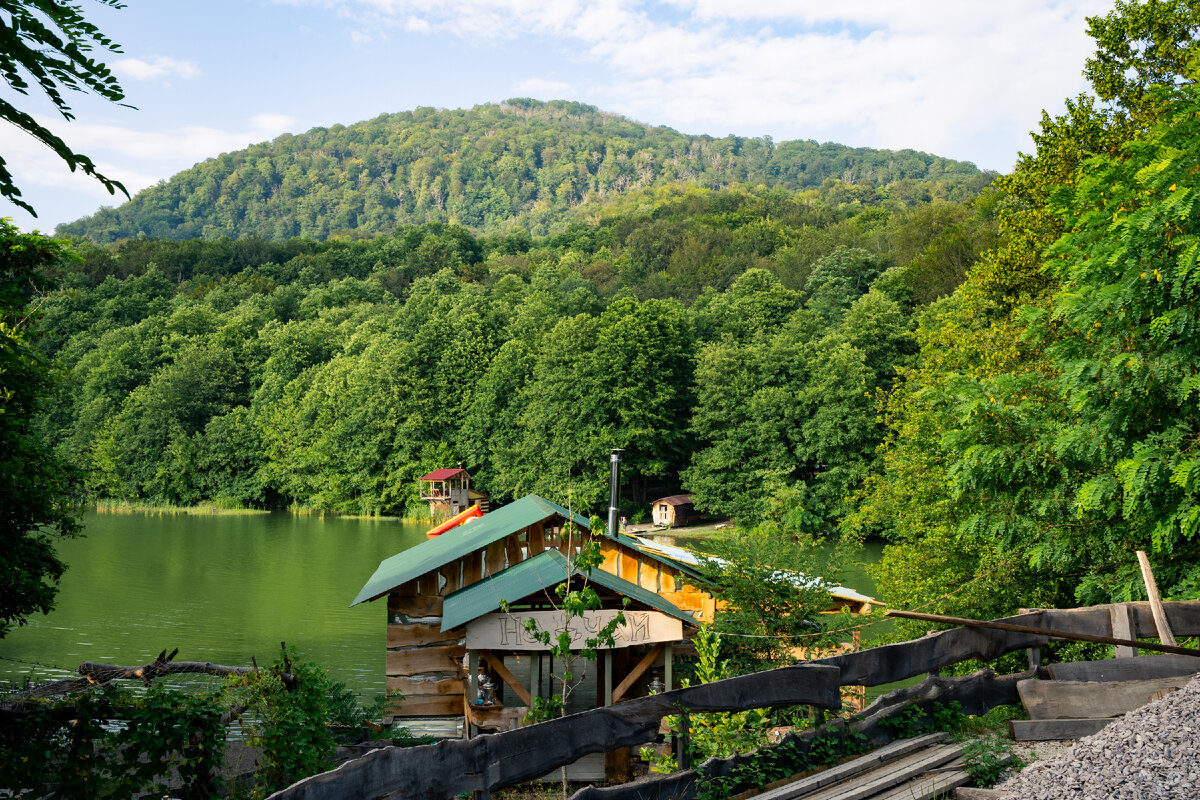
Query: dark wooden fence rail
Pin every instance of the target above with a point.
(449, 768)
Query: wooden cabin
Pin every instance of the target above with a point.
(673, 511)
(445, 625)
(449, 492)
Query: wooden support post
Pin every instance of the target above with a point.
(683, 743)
(472, 691)
(1124, 627)
(1156, 607)
(619, 693)
(535, 674)
(497, 664)
(609, 694)
(668, 663)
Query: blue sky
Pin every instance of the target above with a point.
(965, 79)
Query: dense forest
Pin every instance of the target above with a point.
(732, 342)
(535, 164)
(1000, 382)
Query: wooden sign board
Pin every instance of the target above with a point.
(508, 631)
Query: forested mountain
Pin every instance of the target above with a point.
(731, 341)
(522, 162)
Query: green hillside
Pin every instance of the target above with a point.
(519, 162)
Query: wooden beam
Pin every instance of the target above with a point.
(452, 572)
(637, 672)
(1042, 730)
(1005, 626)
(510, 680)
(411, 687)
(1156, 606)
(416, 660)
(1088, 700)
(420, 634)
(512, 549)
(494, 558)
(415, 606)
(1125, 669)
(1124, 626)
(422, 705)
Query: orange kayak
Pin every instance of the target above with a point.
(458, 519)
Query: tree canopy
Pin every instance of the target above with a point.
(1043, 434)
(496, 167)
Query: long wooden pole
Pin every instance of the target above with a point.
(1156, 606)
(1008, 626)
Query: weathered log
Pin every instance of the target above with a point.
(1050, 632)
(976, 694)
(1091, 700)
(896, 662)
(99, 674)
(504, 759)
(104, 673)
(1125, 669)
(1042, 730)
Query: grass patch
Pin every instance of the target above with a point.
(109, 506)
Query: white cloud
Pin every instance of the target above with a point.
(929, 74)
(161, 67)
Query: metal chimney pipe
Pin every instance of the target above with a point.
(614, 489)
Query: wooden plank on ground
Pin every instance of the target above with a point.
(421, 634)
(841, 772)
(416, 660)
(1043, 730)
(1090, 700)
(886, 776)
(973, 793)
(1126, 669)
(929, 787)
(415, 686)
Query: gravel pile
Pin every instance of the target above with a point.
(1152, 753)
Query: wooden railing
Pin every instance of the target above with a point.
(490, 762)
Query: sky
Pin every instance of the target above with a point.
(965, 79)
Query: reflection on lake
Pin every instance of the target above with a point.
(220, 588)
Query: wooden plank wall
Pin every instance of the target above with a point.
(422, 662)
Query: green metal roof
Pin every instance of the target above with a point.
(533, 575)
(458, 542)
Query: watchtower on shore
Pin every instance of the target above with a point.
(449, 492)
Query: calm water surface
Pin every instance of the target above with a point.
(224, 589)
(220, 588)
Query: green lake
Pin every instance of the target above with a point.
(223, 588)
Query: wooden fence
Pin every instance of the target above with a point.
(485, 763)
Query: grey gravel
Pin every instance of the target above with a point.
(1152, 753)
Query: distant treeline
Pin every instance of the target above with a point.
(521, 162)
(732, 342)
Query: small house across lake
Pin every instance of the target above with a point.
(673, 511)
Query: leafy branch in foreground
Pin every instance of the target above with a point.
(47, 44)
